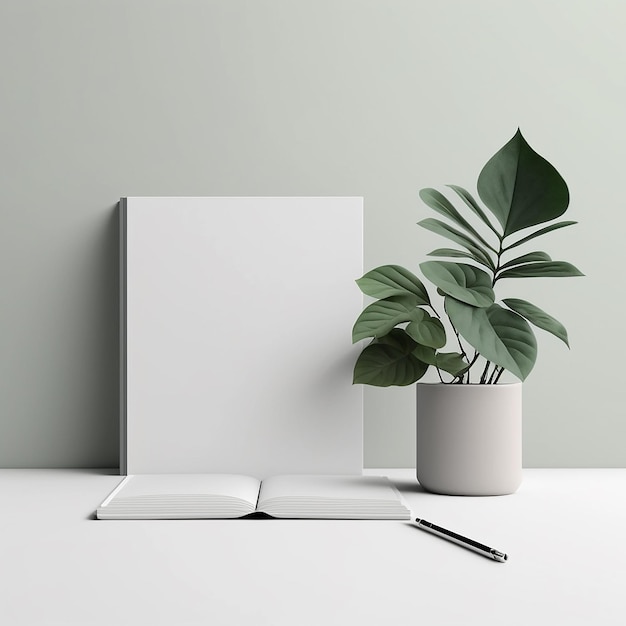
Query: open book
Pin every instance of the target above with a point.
(204, 496)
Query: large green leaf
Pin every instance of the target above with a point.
(531, 257)
(380, 317)
(452, 253)
(538, 317)
(427, 331)
(544, 269)
(467, 197)
(388, 361)
(438, 202)
(538, 233)
(451, 362)
(392, 280)
(499, 335)
(425, 353)
(521, 188)
(461, 281)
(443, 229)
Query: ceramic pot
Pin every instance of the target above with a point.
(469, 438)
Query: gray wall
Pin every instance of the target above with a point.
(284, 97)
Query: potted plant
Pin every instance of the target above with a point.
(469, 426)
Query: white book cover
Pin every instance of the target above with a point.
(236, 335)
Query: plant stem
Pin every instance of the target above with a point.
(483, 378)
(476, 355)
(434, 311)
(458, 338)
(475, 358)
(500, 252)
(498, 376)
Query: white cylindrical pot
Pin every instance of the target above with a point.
(469, 438)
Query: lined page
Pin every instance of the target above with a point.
(237, 486)
(338, 488)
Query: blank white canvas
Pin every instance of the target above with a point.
(236, 335)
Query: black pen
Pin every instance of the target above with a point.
(490, 553)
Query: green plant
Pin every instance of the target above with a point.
(521, 190)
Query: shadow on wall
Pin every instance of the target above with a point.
(106, 386)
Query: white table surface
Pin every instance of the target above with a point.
(563, 531)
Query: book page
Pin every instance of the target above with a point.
(341, 488)
(241, 487)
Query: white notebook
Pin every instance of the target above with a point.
(236, 335)
(206, 496)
